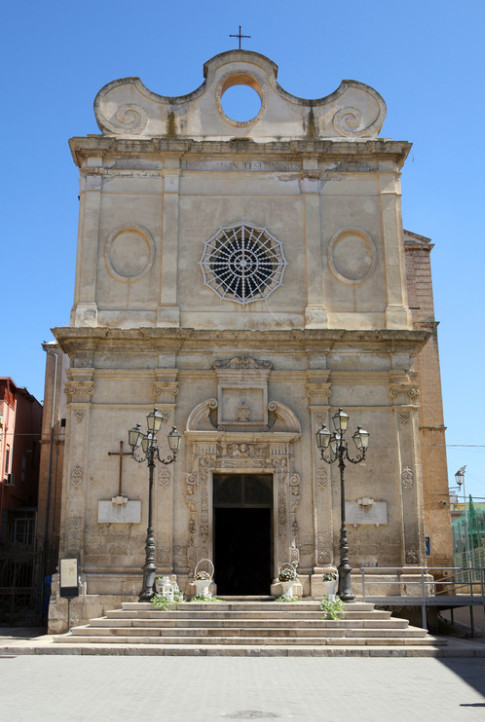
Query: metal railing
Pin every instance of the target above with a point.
(20, 585)
(443, 587)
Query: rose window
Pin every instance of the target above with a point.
(243, 263)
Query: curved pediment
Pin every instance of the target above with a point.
(203, 417)
(126, 107)
(284, 418)
(199, 417)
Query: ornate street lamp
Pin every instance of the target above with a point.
(333, 447)
(460, 480)
(149, 452)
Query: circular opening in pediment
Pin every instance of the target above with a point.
(240, 98)
(241, 103)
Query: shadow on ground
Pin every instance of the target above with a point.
(471, 671)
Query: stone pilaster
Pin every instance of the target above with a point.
(79, 391)
(168, 311)
(165, 392)
(404, 393)
(318, 389)
(397, 312)
(85, 310)
(315, 311)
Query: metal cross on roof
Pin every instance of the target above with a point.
(239, 36)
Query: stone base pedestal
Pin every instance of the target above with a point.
(82, 608)
(278, 591)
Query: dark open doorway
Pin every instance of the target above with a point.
(243, 533)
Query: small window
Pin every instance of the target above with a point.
(23, 530)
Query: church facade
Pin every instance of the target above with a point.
(247, 279)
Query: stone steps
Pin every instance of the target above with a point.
(252, 641)
(228, 624)
(243, 632)
(239, 635)
(241, 607)
(122, 615)
(242, 627)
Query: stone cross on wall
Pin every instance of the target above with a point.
(120, 453)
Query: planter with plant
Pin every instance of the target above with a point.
(203, 579)
(329, 579)
(287, 578)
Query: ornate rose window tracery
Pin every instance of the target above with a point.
(243, 263)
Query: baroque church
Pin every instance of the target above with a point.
(247, 279)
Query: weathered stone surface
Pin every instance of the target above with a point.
(112, 513)
(247, 279)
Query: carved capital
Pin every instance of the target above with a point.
(318, 394)
(403, 389)
(79, 391)
(165, 392)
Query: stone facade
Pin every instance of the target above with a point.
(52, 455)
(247, 279)
(431, 425)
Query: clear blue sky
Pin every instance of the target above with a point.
(425, 58)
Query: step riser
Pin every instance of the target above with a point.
(246, 624)
(243, 615)
(286, 607)
(251, 641)
(241, 633)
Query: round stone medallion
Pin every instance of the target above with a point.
(129, 254)
(351, 256)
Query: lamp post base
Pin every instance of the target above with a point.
(345, 584)
(148, 588)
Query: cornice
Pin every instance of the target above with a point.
(73, 339)
(356, 149)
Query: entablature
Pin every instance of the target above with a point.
(95, 154)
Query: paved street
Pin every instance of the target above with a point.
(209, 689)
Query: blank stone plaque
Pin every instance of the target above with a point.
(109, 513)
(374, 514)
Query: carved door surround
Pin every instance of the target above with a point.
(244, 448)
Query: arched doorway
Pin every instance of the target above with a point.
(243, 533)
